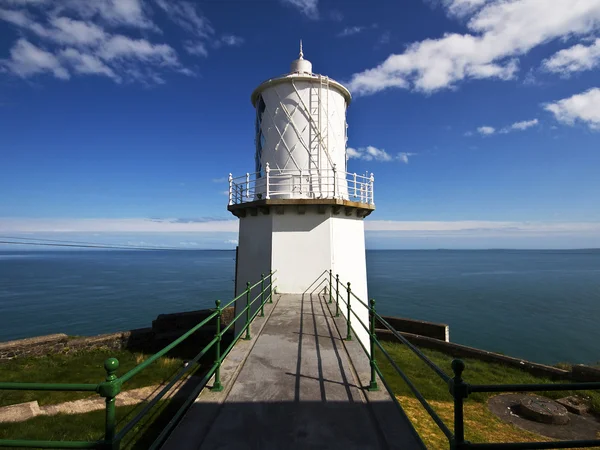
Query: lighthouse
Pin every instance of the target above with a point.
(300, 211)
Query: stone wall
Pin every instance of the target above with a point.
(433, 330)
(165, 328)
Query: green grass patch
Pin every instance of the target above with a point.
(476, 372)
(80, 367)
(480, 424)
(90, 426)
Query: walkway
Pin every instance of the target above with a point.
(297, 384)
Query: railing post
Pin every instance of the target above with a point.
(330, 286)
(268, 171)
(247, 337)
(109, 390)
(271, 287)
(458, 389)
(262, 295)
(372, 180)
(334, 182)
(230, 189)
(348, 321)
(301, 176)
(373, 383)
(217, 386)
(337, 295)
(247, 185)
(355, 184)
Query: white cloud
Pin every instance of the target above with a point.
(481, 234)
(187, 16)
(88, 64)
(517, 126)
(524, 125)
(463, 8)
(403, 157)
(500, 32)
(75, 38)
(111, 12)
(371, 153)
(349, 31)
(195, 48)
(231, 242)
(14, 225)
(574, 59)
(26, 59)
(486, 131)
(520, 126)
(307, 7)
(228, 40)
(123, 47)
(584, 107)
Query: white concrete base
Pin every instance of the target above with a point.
(302, 247)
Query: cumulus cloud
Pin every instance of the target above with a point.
(574, 59)
(310, 8)
(371, 153)
(499, 33)
(584, 108)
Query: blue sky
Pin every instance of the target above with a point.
(479, 118)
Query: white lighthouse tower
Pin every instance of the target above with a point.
(301, 213)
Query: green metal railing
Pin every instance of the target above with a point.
(459, 389)
(113, 384)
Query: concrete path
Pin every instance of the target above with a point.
(299, 385)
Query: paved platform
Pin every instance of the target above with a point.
(297, 384)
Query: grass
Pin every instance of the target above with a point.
(90, 426)
(480, 425)
(81, 367)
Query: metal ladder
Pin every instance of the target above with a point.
(319, 114)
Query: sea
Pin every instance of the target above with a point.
(543, 306)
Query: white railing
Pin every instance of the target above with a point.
(300, 184)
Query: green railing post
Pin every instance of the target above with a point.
(337, 295)
(348, 324)
(109, 391)
(373, 383)
(330, 286)
(458, 389)
(247, 337)
(271, 287)
(262, 295)
(217, 386)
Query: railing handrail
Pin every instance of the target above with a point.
(459, 389)
(313, 182)
(110, 388)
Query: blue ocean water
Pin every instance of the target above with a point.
(539, 305)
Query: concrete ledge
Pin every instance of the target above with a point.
(583, 373)
(242, 209)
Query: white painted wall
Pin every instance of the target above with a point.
(290, 139)
(301, 248)
(254, 257)
(349, 261)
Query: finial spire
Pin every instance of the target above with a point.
(301, 56)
